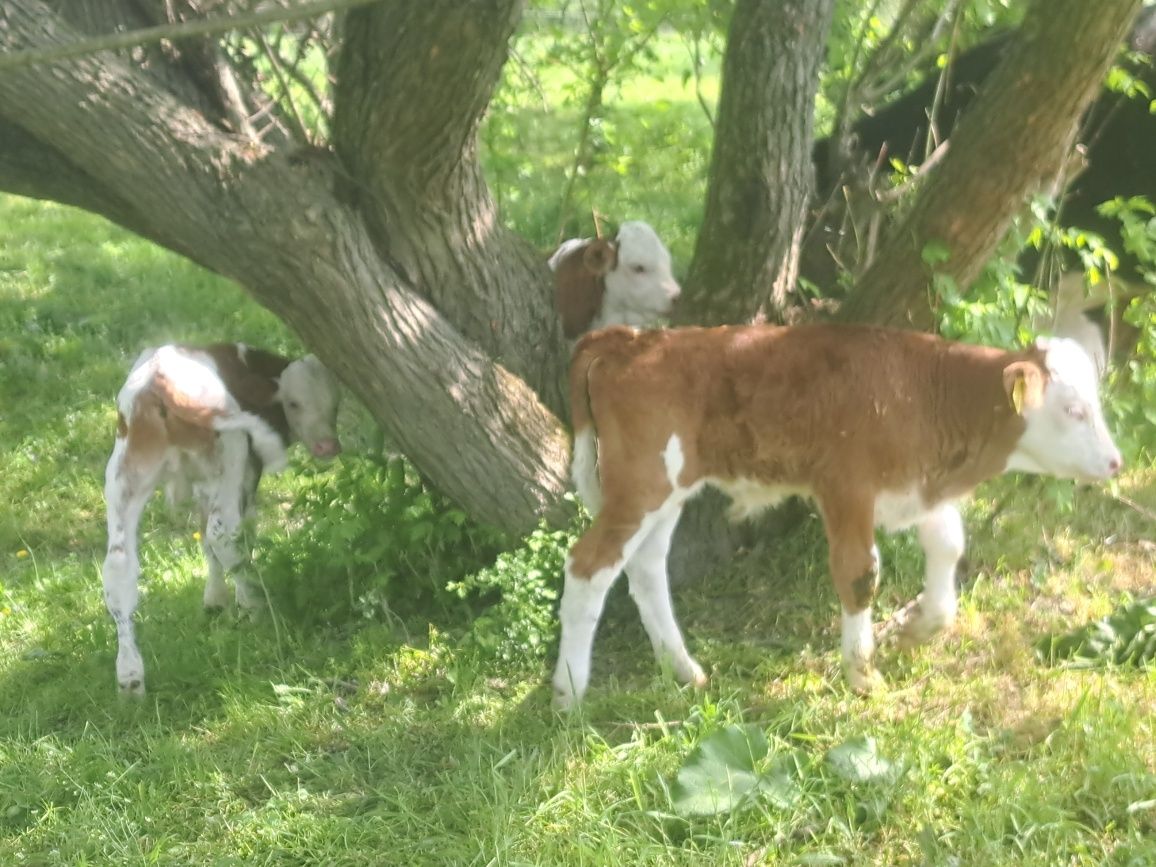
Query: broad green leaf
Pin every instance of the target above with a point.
(858, 761)
(720, 775)
(1125, 637)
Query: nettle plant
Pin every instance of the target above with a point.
(365, 536)
(522, 586)
(369, 538)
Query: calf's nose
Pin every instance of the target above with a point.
(326, 448)
(1114, 464)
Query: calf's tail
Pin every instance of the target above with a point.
(584, 461)
(267, 443)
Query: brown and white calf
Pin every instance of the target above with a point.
(215, 418)
(626, 281)
(882, 428)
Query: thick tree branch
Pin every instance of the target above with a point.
(275, 225)
(1012, 139)
(413, 82)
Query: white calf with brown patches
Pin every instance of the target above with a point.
(627, 281)
(212, 420)
(882, 428)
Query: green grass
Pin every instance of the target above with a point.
(385, 738)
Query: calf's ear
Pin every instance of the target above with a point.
(577, 292)
(600, 257)
(1024, 384)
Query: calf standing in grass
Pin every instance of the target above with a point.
(882, 428)
(626, 281)
(215, 418)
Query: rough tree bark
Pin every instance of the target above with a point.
(1012, 140)
(747, 254)
(363, 267)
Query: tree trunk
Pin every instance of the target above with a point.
(1012, 139)
(747, 254)
(746, 258)
(416, 332)
(414, 80)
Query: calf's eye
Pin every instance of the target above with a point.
(638, 269)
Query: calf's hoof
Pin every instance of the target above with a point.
(215, 599)
(564, 700)
(921, 627)
(685, 670)
(864, 679)
(132, 687)
(250, 599)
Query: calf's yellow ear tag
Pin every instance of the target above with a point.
(1017, 395)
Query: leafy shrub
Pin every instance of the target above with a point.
(1125, 637)
(520, 624)
(370, 536)
(364, 534)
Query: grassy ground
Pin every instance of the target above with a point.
(381, 739)
(288, 742)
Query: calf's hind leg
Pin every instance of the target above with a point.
(129, 481)
(226, 543)
(650, 589)
(595, 561)
(854, 563)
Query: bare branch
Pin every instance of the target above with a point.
(184, 30)
(274, 57)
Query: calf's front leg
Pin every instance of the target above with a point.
(941, 536)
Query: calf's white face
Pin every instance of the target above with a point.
(309, 394)
(1066, 434)
(642, 281)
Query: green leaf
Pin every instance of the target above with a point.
(720, 775)
(935, 253)
(1125, 637)
(858, 761)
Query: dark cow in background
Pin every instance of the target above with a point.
(211, 420)
(1118, 135)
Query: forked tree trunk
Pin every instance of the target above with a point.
(387, 255)
(1012, 140)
